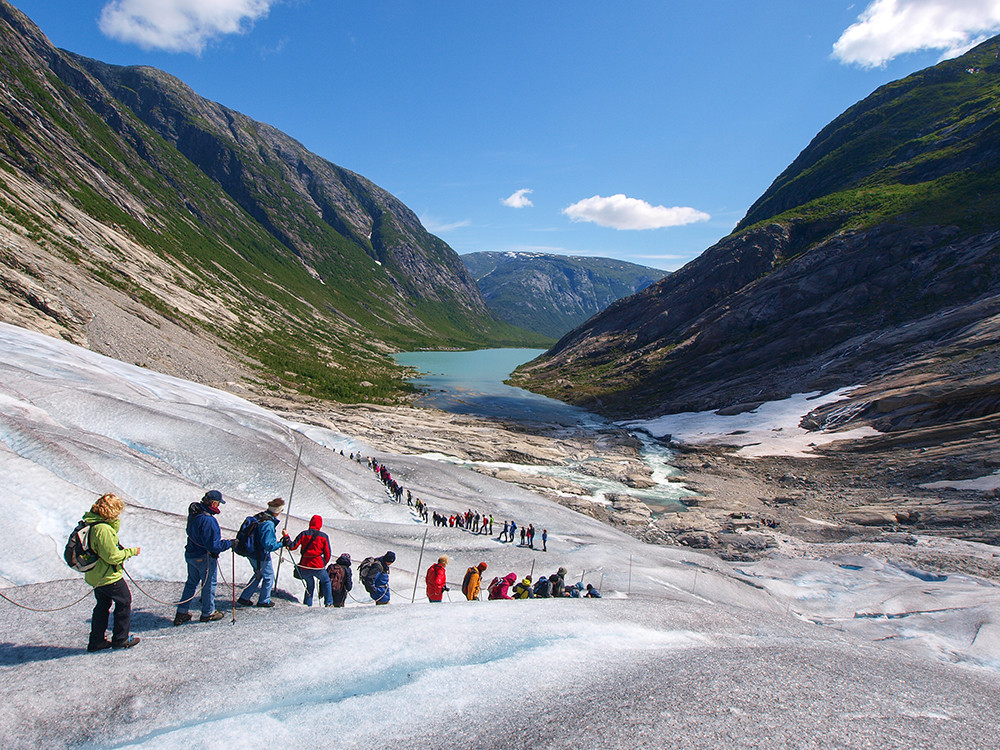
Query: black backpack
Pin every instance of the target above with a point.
(367, 570)
(78, 553)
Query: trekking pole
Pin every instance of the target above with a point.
(630, 575)
(288, 510)
(234, 586)
(531, 575)
(416, 575)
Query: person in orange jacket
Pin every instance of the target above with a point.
(472, 582)
(437, 579)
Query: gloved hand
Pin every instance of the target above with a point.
(446, 589)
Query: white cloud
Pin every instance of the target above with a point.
(621, 212)
(179, 25)
(519, 199)
(437, 226)
(888, 28)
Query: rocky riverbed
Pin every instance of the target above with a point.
(860, 496)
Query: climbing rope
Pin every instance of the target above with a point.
(171, 604)
(35, 609)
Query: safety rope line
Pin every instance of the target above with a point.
(34, 609)
(171, 604)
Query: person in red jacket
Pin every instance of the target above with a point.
(315, 546)
(437, 579)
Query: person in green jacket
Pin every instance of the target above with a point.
(107, 576)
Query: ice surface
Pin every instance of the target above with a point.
(683, 651)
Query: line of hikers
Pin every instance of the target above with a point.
(546, 587)
(93, 548)
(472, 521)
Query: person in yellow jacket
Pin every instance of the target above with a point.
(107, 576)
(472, 582)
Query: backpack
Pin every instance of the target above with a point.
(248, 536)
(336, 577)
(494, 588)
(466, 580)
(367, 570)
(543, 589)
(78, 554)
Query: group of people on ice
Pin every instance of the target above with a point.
(508, 587)
(471, 521)
(256, 539)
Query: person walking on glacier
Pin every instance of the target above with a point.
(201, 554)
(315, 546)
(107, 576)
(262, 542)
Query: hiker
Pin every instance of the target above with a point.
(340, 579)
(545, 539)
(513, 529)
(315, 546)
(531, 535)
(522, 536)
(523, 589)
(264, 542)
(201, 553)
(575, 591)
(542, 589)
(499, 589)
(375, 576)
(107, 576)
(437, 579)
(558, 583)
(592, 592)
(503, 534)
(473, 580)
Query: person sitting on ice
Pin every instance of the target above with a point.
(592, 592)
(523, 589)
(557, 582)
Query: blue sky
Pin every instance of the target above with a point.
(632, 129)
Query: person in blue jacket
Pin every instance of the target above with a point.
(380, 585)
(201, 553)
(265, 543)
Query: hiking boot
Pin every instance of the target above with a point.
(216, 615)
(182, 617)
(245, 602)
(132, 641)
(99, 646)
(265, 604)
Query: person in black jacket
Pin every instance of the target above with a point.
(558, 582)
(340, 579)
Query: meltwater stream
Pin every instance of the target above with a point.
(471, 382)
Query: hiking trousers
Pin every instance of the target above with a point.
(263, 576)
(118, 594)
(204, 570)
(309, 579)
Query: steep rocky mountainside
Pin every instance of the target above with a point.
(552, 294)
(150, 224)
(873, 259)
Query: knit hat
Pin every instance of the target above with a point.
(482, 566)
(276, 505)
(389, 557)
(213, 496)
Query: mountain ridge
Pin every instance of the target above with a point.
(275, 267)
(848, 270)
(552, 294)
